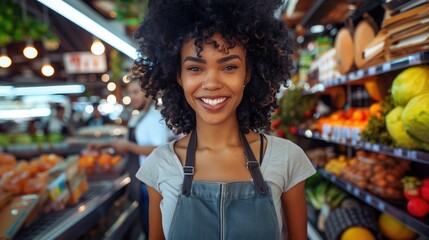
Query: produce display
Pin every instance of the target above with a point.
(38, 186)
(416, 191)
(408, 122)
(393, 229)
(93, 162)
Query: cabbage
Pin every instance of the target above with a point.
(397, 131)
(410, 83)
(415, 117)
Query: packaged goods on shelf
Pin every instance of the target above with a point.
(21, 210)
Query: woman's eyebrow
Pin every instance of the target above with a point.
(227, 58)
(194, 59)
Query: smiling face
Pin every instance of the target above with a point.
(213, 83)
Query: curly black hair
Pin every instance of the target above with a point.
(250, 24)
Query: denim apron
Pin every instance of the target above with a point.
(224, 211)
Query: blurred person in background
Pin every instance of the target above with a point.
(57, 123)
(97, 119)
(146, 131)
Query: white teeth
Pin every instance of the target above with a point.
(213, 102)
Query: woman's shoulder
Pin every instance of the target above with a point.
(282, 144)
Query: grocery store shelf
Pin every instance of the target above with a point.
(312, 232)
(394, 208)
(403, 153)
(27, 151)
(123, 223)
(400, 63)
(75, 221)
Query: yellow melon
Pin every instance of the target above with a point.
(357, 233)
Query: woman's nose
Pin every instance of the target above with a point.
(211, 81)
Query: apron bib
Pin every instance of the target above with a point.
(224, 211)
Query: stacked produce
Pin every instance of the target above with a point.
(344, 125)
(392, 229)
(408, 122)
(28, 188)
(378, 173)
(416, 191)
(336, 165)
(93, 161)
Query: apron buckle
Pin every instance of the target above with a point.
(188, 170)
(251, 165)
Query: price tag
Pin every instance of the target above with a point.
(414, 59)
(368, 199)
(336, 81)
(397, 152)
(342, 79)
(332, 178)
(375, 147)
(349, 187)
(381, 206)
(367, 146)
(356, 191)
(352, 76)
(412, 154)
(316, 135)
(360, 74)
(386, 67)
(372, 70)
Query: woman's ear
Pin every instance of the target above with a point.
(248, 76)
(179, 79)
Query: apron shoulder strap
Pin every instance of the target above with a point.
(253, 166)
(188, 169)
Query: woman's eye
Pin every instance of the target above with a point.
(194, 69)
(230, 68)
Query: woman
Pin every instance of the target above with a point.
(217, 65)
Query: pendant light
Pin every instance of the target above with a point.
(5, 60)
(30, 51)
(47, 69)
(97, 47)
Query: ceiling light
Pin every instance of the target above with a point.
(126, 100)
(111, 86)
(126, 79)
(317, 29)
(10, 114)
(47, 90)
(94, 27)
(47, 69)
(5, 60)
(30, 51)
(97, 47)
(105, 77)
(111, 99)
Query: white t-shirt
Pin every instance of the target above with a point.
(284, 165)
(151, 130)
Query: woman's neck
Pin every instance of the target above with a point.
(219, 136)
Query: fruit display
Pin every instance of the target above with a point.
(29, 176)
(392, 229)
(375, 131)
(415, 119)
(94, 162)
(344, 125)
(377, 173)
(408, 122)
(409, 83)
(416, 191)
(337, 165)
